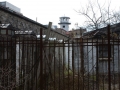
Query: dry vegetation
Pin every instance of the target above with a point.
(74, 81)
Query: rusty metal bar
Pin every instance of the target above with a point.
(73, 64)
(97, 64)
(113, 72)
(19, 63)
(54, 67)
(88, 80)
(59, 67)
(3, 61)
(93, 83)
(78, 44)
(32, 79)
(68, 64)
(63, 65)
(118, 63)
(109, 54)
(14, 59)
(41, 60)
(82, 64)
(103, 62)
(35, 66)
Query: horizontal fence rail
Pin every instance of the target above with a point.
(27, 63)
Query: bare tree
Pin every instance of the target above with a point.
(98, 16)
(116, 17)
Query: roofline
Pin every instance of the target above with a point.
(20, 16)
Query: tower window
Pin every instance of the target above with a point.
(63, 26)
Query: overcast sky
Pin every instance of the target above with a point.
(50, 10)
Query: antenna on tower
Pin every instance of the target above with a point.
(36, 19)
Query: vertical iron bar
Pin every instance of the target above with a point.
(63, 65)
(73, 62)
(35, 60)
(19, 67)
(113, 73)
(68, 63)
(22, 67)
(45, 70)
(54, 68)
(118, 62)
(93, 64)
(3, 61)
(27, 64)
(78, 67)
(82, 63)
(11, 56)
(59, 64)
(49, 69)
(109, 53)
(88, 62)
(14, 60)
(32, 64)
(41, 60)
(97, 66)
(102, 46)
(8, 63)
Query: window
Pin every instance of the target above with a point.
(63, 26)
(103, 52)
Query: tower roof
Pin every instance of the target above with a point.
(65, 17)
(64, 23)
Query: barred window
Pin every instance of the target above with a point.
(103, 51)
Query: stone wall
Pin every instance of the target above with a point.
(20, 22)
(23, 23)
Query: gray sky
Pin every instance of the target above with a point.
(50, 10)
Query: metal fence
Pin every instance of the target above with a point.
(28, 63)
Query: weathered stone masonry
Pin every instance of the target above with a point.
(19, 21)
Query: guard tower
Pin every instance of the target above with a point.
(64, 23)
